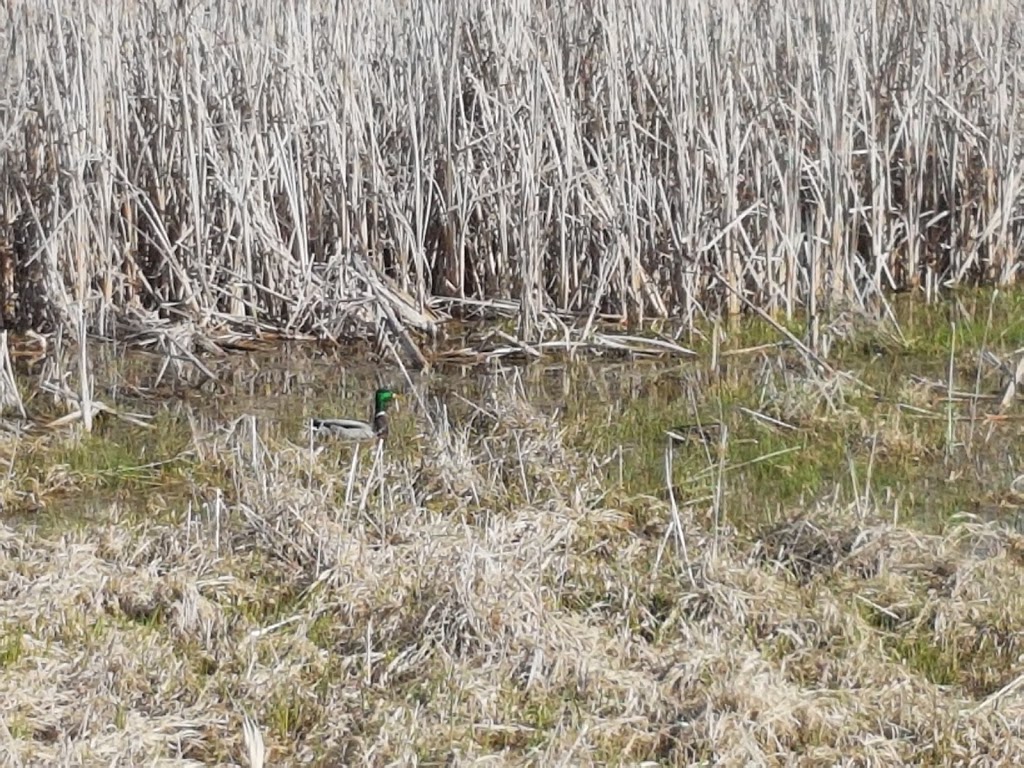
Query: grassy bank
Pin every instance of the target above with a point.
(511, 581)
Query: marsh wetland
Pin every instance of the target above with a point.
(509, 570)
(708, 346)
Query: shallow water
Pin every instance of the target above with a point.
(899, 447)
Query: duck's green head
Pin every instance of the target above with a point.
(382, 398)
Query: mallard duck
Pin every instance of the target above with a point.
(353, 429)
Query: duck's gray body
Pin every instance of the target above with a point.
(353, 429)
(349, 429)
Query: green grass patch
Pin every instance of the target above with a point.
(11, 647)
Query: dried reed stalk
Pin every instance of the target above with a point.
(632, 160)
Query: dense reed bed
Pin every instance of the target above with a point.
(324, 167)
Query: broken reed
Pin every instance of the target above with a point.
(243, 164)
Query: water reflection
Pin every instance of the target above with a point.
(301, 379)
(616, 408)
